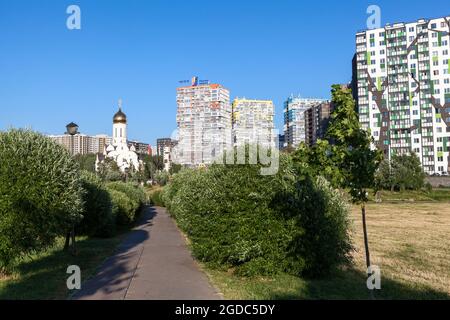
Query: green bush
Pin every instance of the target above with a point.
(98, 214)
(124, 208)
(258, 225)
(156, 198)
(40, 193)
(135, 192)
(128, 199)
(162, 178)
(322, 215)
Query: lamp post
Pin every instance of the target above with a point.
(72, 130)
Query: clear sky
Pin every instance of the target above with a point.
(139, 50)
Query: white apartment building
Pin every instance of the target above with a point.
(294, 119)
(253, 122)
(403, 89)
(204, 123)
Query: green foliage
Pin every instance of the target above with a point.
(124, 209)
(317, 160)
(98, 215)
(162, 178)
(127, 199)
(156, 198)
(403, 172)
(175, 168)
(109, 171)
(236, 218)
(152, 164)
(322, 214)
(352, 150)
(40, 193)
(86, 161)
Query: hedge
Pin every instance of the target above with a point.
(127, 199)
(258, 225)
(40, 193)
(98, 217)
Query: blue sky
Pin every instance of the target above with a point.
(139, 50)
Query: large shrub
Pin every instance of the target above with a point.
(127, 199)
(40, 193)
(124, 209)
(237, 218)
(322, 215)
(98, 214)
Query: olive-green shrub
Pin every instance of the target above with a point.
(128, 199)
(257, 225)
(99, 219)
(124, 208)
(40, 193)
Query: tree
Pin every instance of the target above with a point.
(86, 161)
(352, 151)
(108, 170)
(401, 173)
(152, 164)
(317, 161)
(175, 168)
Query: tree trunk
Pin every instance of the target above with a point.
(366, 244)
(67, 243)
(366, 241)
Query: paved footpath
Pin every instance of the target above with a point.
(152, 262)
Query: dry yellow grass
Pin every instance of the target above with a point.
(410, 242)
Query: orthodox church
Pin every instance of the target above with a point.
(126, 157)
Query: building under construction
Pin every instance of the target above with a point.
(204, 123)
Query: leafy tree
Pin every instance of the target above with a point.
(401, 173)
(162, 178)
(40, 193)
(86, 161)
(152, 164)
(352, 151)
(317, 161)
(108, 170)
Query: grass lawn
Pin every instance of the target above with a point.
(437, 194)
(409, 241)
(43, 275)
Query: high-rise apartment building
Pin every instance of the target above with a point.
(317, 119)
(294, 119)
(161, 143)
(403, 83)
(204, 123)
(253, 122)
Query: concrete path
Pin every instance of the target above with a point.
(152, 262)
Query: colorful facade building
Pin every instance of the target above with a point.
(403, 89)
(253, 122)
(204, 123)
